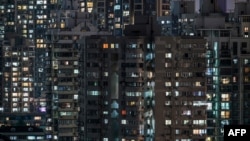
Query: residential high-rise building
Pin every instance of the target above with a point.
(116, 84)
(178, 19)
(67, 26)
(19, 104)
(143, 87)
(227, 37)
(179, 92)
(113, 15)
(62, 70)
(27, 19)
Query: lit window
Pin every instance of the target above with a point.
(234, 79)
(199, 131)
(225, 97)
(167, 103)
(25, 94)
(177, 84)
(168, 93)
(167, 84)
(116, 45)
(14, 104)
(245, 29)
(168, 55)
(197, 83)
(199, 122)
(117, 7)
(26, 89)
(176, 93)
(247, 69)
(185, 122)
(90, 10)
(14, 69)
(124, 121)
(24, 7)
(14, 53)
(94, 93)
(75, 96)
(31, 31)
(167, 122)
(165, 13)
(25, 99)
(125, 13)
(117, 25)
(66, 63)
(105, 74)
(15, 109)
(13, 137)
(76, 71)
(26, 84)
(89, 4)
(225, 106)
(75, 62)
(40, 137)
(246, 61)
(15, 94)
(225, 114)
(25, 69)
(25, 58)
(132, 103)
(186, 112)
(82, 4)
(167, 65)
(62, 25)
(105, 45)
(31, 137)
(53, 1)
(177, 131)
(225, 80)
(25, 105)
(82, 9)
(106, 121)
(177, 74)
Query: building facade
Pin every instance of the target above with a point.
(29, 20)
(113, 88)
(20, 105)
(113, 15)
(180, 99)
(82, 87)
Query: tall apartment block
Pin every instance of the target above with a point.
(113, 86)
(117, 88)
(144, 87)
(67, 27)
(28, 18)
(227, 36)
(177, 17)
(19, 104)
(183, 85)
(19, 58)
(226, 73)
(179, 92)
(113, 15)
